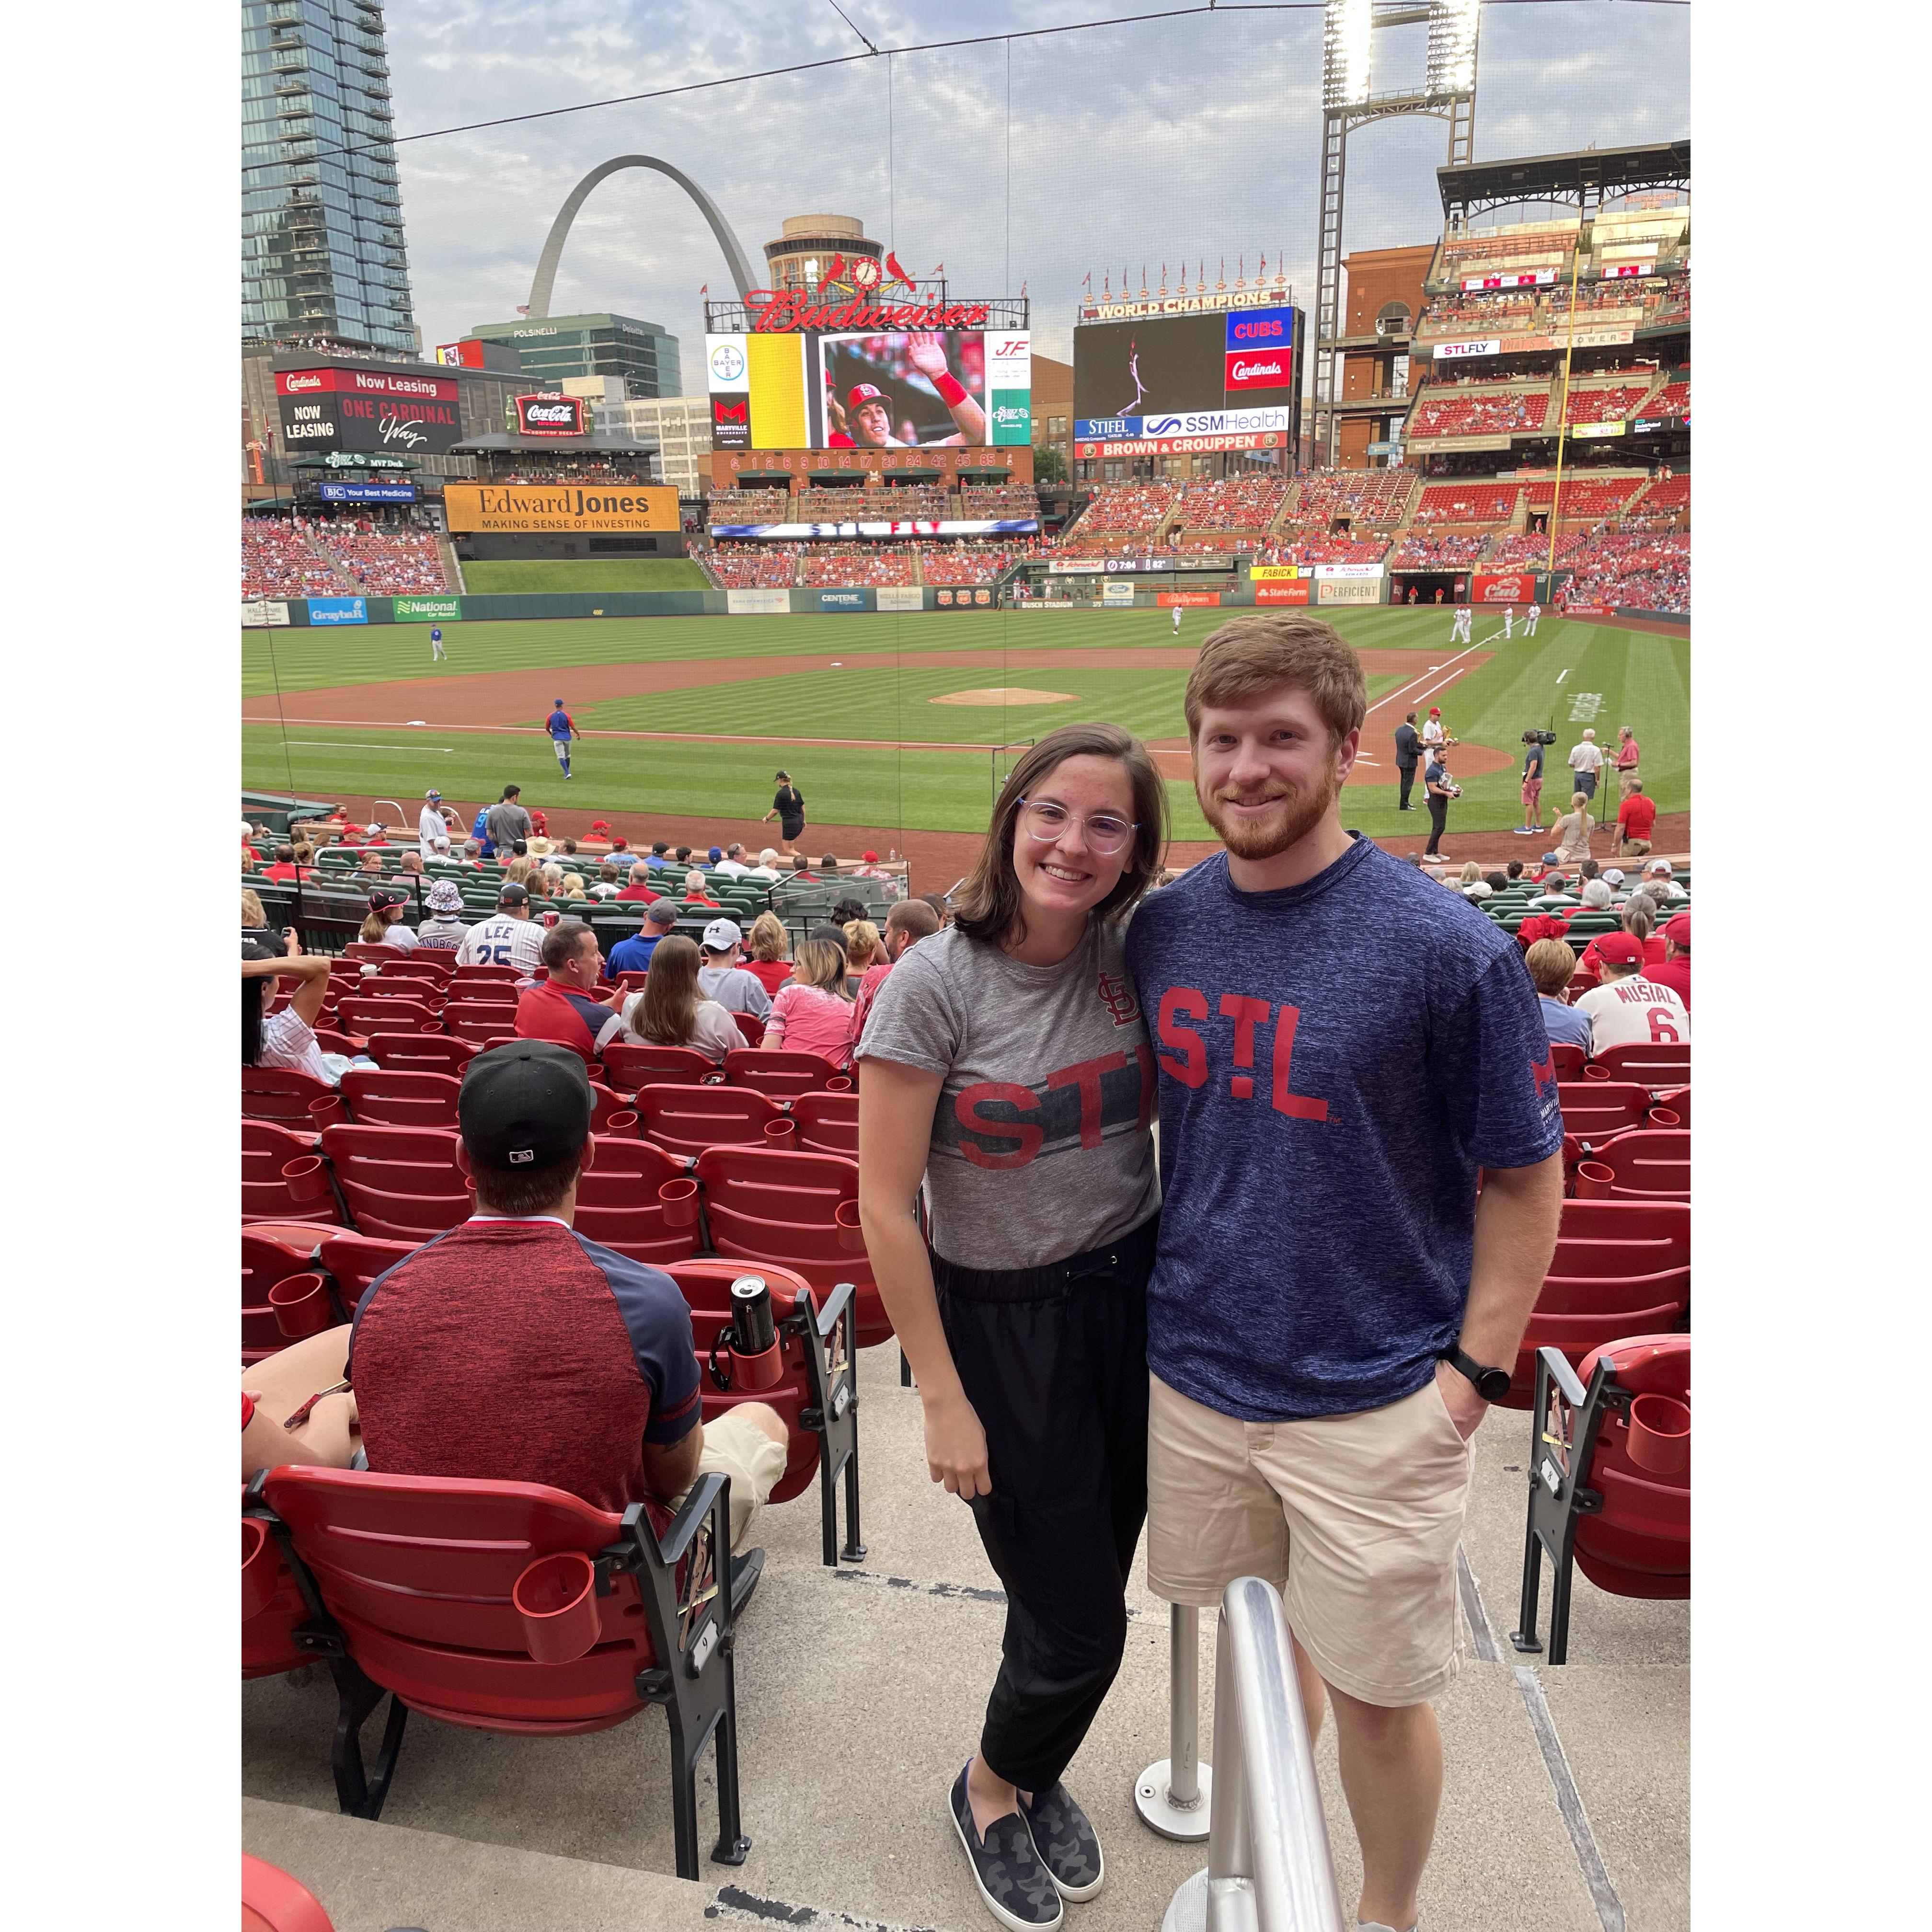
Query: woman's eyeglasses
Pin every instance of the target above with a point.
(1042, 820)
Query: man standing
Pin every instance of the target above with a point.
(1458, 628)
(1435, 741)
(633, 955)
(1586, 759)
(1637, 820)
(720, 977)
(560, 1007)
(1532, 785)
(436, 649)
(1176, 620)
(1441, 788)
(508, 937)
(561, 731)
(507, 824)
(1509, 621)
(1628, 752)
(1317, 1374)
(431, 826)
(1408, 750)
(1529, 618)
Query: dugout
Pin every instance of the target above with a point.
(1453, 585)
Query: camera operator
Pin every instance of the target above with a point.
(1441, 788)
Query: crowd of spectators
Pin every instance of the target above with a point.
(997, 499)
(840, 563)
(1504, 413)
(579, 469)
(1509, 314)
(1126, 509)
(749, 566)
(1248, 502)
(748, 506)
(1313, 550)
(1523, 550)
(278, 561)
(1645, 570)
(1606, 402)
(383, 562)
(1362, 496)
(1421, 551)
(1471, 502)
(1586, 495)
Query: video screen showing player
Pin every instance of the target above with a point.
(917, 390)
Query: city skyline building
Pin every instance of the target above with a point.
(323, 256)
(645, 354)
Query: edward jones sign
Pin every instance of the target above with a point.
(569, 508)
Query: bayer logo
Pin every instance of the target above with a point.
(727, 362)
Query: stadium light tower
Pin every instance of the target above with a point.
(1349, 101)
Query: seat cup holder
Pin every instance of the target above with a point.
(1594, 1180)
(261, 1567)
(300, 1305)
(678, 1200)
(555, 1598)
(305, 1177)
(1659, 1434)
(851, 1235)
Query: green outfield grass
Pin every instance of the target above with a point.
(1568, 675)
(593, 575)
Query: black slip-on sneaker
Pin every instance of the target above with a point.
(1017, 1889)
(1066, 1843)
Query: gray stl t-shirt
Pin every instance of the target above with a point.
(1040, 1142)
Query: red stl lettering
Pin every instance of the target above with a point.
(1180, 1003)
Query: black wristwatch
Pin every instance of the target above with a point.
(1492, 1384)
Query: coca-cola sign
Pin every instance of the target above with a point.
(550, 414)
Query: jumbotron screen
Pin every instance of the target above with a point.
(1217, 372)
(921, 389)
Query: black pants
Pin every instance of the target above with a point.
(1438, 821)
(1053, 1360)
(1408, 780)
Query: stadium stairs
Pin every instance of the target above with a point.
(452, 567)
(861, 1690)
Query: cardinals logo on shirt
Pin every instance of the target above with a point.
(1116, 995)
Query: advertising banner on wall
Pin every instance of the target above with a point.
(1184, 445)
(1233, 421)
(1282, 593)
(414, 416)
(568, 508)
(1457, 352)
(1597, 429)
(1349, 590)
(1274, 573)
(1603, 338)
(731, 422)
(1189, 598)
(899, 597)
(548, 414)
(367, 493)
(1526, 278)
(338, 610)
(426, 610)
(965, 597)
(942, 467)
(857, 599)
(1329, 572)
(1115, 592)
(758, 603)
(264, 611)
(1514, 587)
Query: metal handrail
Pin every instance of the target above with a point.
(1269, 1866)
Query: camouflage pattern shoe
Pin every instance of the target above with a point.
(1016, 1887)
(1066, 1843)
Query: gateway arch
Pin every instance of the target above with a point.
(560, 229)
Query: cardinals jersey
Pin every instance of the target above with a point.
(503, 941)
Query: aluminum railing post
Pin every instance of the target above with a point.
(1174, 1796)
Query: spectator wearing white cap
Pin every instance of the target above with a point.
(442, 930)
(720, 977)
(1659, 883)
(431, 826)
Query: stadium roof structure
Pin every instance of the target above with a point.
(501, 442)
(1587, 177)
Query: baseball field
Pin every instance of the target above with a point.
(890, 724)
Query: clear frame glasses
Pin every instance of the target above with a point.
(1045, 821)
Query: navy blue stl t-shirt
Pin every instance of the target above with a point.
(1337, 1060)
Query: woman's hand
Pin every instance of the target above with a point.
(956, 1447)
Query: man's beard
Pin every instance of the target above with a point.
(1294, 817)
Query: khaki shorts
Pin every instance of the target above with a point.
(735, 1446)
(1354, 1518)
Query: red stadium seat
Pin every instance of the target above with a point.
(1568, 1060)
(817, 1392)
(420, 1579)
(629, 1065)
(479, 1025)
(1677, 1099)
(271, 1602)
(373, 952)
(688, 1119)
(399, 1184)
(271, 1901)
(421, 965)
(264, 1263)
(267, 1147)
(1655, 1063)
(364, 1013)
(783, 1074)
(752, 1027)
(1620, 1266)
(783, 1206)
(617, 1202)
(384, 1096)
(420, 1052)
(352, 1262)
(1649, 1164)
(1610, 1488)
(605, 1103)
(828, 1123)
(423, 988)
(464, 977)
(1593, 1110)
(281, 1093)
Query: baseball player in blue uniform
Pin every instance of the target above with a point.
(436, 649)
(562, 730)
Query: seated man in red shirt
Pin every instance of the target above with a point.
(1637, 819)
(514, 1349)
(639, 887)
(559, 1007)
(1675, 972)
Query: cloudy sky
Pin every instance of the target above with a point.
(1037, 160)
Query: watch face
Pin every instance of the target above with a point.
(1493, 1384)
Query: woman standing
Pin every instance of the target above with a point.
(1007, 1065)
(813, 1014)
(788, 809)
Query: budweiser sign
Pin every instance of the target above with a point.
(794, 311)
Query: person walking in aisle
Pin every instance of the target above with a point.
(431, 826)
(1006, 1065)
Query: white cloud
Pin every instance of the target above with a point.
(1130, 145)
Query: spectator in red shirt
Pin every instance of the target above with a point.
(559, 1007)
(492, 1352)
(1637, 819)
(909, 922)
(1640, 921)
(284, 867)
(639, 887)
(1675, 972)
(768, 945)
(1628, 752)
(694, 893)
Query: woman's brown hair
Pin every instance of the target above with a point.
(987, 905)
(766, 939)
(820, 964)
(666, 1014)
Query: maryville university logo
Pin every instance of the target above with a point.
(1116, 995)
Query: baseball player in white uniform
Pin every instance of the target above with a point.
(1529, 618)
(1176, 620)
(1459, 630)
(508, 937)
(431, 825)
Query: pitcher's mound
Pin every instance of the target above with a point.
(1006, 694)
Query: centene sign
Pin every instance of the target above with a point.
(791, 311)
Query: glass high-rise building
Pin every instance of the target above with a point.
(322, 229)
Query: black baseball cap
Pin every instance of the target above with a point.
(527, 1105)
(511, 893)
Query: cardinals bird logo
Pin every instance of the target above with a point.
(896, 273)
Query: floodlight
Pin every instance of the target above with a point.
(1347, 31)
(1453, 28)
